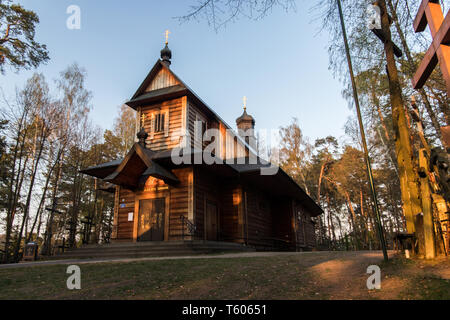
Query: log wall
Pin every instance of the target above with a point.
(179, 197)
(305, 235)
(232, 209)
(126, 205)
(258, 218)
(178, 205)
(169, 138)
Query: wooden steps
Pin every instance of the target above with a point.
(152, 249)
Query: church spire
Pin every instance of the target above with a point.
(246, 125)
(166, 54)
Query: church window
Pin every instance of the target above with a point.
(159, 122)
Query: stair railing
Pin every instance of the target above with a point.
(192, 229)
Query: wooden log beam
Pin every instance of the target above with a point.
(427, 207)
(420, 22)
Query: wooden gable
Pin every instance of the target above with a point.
(137, 166)
(159, 77)
(163, 79)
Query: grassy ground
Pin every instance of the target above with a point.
(315, 275)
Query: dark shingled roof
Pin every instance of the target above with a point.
(155, 95)
(274, 180)
(102, 170)
(106, 164)
(257, 171)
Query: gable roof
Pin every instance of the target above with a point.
(149, 97)
(142, 96)
(138, 164)
(158, 66)
(102, 170)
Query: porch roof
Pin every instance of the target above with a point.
(102, 170)
(260, 173)
(132, 170)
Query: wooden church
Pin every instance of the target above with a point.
(159, 199)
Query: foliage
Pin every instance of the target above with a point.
(18, 47)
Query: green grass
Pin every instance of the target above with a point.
(276, 277)
(240, 278)
(422, 285)
(427, 287)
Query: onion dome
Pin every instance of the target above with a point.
(142, 136)
(166, 55)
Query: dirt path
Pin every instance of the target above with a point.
(125, 260)
(343, 275)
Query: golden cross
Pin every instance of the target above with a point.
(142, 119)
(245, 102)
(167, 36)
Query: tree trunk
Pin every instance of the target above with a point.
(408, 177)
(412, 67)
(30, 191)
(41, 203)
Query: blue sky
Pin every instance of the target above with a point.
(279, 63)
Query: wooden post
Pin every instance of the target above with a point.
(428, 227)
(430, 13)
(114, 233)
(443, 219)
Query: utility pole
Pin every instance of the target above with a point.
(363, 136)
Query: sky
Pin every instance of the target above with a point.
(280, 63)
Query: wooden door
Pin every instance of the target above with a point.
(144, 223)
(151, 220)
(158, 215)
(211, 221)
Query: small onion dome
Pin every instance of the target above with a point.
(166, 55)
(245, 118)
(142, 136)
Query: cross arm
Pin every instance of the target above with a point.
(420, 22)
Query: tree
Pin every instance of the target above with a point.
(45, 140)
(125, 128)
(218, 13)
(294, 153)
(43, 115)
(377, 70)
(76, 100)
(18, 47)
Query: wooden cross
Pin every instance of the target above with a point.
(430, 13)
(245, 102)
(167, 36)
